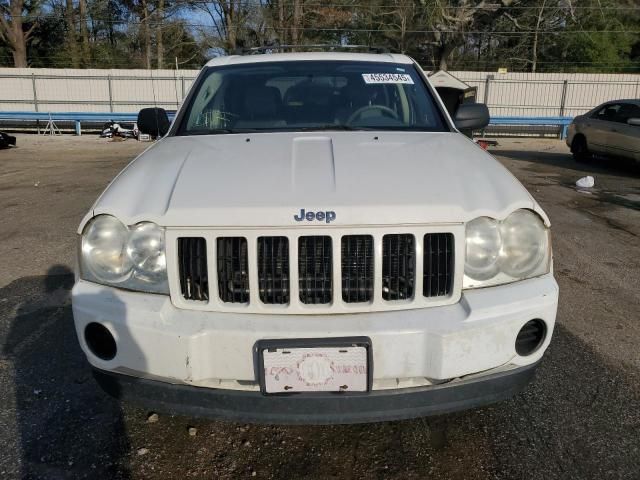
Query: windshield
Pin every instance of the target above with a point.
(310, 95)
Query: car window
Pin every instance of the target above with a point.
(608, 112)
(311, 95)
(625, 112)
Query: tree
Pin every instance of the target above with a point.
(540, 16)
(181, 47)
(559, 34)
(145, 32)
(71, 41)
(296, 33)
(228, 19)
(532, 35)
(401, 18)
(449, 21)
(159, 40)
(84, 33)
(299, 22)
(17, 26)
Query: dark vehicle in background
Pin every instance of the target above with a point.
(610, 129)
(7, 140)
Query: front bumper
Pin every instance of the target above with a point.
(411, 348)
(317, 409)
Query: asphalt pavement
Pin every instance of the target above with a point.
(580, 418)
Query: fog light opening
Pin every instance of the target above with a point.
(100, 341)
(531, 337)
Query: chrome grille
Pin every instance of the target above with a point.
(315, 269)
(323, 271)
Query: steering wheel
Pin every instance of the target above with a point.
(366, 108)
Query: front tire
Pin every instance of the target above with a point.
(580, 150)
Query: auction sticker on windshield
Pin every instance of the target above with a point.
(387, 78)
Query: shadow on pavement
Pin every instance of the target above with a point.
(565, 160)
(579, 419)
(66, 426)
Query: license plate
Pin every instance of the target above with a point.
(315, 369)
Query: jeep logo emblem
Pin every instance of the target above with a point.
(328, 216)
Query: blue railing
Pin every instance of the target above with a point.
(561, 122)
(76, 117)
(79, 117)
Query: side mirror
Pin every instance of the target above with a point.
(153, 121)
(471, 116)
(635, 121)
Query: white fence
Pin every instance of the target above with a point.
(548, 94)
(92, 90)
(511, 94)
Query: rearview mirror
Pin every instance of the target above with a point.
(153, 121)
(634, 121)
(471, 116)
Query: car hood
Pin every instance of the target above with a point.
(366, 178)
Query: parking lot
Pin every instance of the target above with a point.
(580, 418)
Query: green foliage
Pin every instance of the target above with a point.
(44, 50)
(522, 35)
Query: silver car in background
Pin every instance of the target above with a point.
(611, 129)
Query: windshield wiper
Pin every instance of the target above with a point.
(331, 126)
(328, 127)
(210, 131)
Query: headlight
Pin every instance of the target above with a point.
(524, 243)
(103, 249)
(483, 248)
(146, 251)
(503, 252)
(132, 258)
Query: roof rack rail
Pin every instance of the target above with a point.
(326, 47)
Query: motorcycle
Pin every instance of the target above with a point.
(115, 129)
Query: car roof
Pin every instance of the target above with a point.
(635, 101)
(309, 56)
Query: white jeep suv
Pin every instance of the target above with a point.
(314, 241)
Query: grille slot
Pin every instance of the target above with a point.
(273, 269)
(438, 264)
(398, 266)
(233, 271)
(315, 269)
(357, 268)
(192, 258)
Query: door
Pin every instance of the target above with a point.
(623, 140)
(598, 127)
